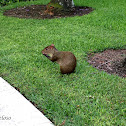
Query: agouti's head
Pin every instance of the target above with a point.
(49, 51)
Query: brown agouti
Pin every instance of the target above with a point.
(66, 60)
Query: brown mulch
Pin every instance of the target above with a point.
(111, 61)
(38, 12)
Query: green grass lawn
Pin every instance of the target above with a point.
(85, 98)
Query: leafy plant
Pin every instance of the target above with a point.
(7, 2)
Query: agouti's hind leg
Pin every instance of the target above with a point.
(65, 70)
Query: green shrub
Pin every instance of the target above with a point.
(6, 2)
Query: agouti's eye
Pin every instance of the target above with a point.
(46, 49)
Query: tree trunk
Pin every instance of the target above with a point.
(58, 5)
(66, 4)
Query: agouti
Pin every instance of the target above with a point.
(66, 60)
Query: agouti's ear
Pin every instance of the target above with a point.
(52, 44)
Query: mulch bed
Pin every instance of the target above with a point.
(38, 12)
(111, 61)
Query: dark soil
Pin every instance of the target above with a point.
(38, 12)
(111, 61)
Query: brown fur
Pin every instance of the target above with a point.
(66, 60)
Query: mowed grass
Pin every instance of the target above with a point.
(84, 98)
